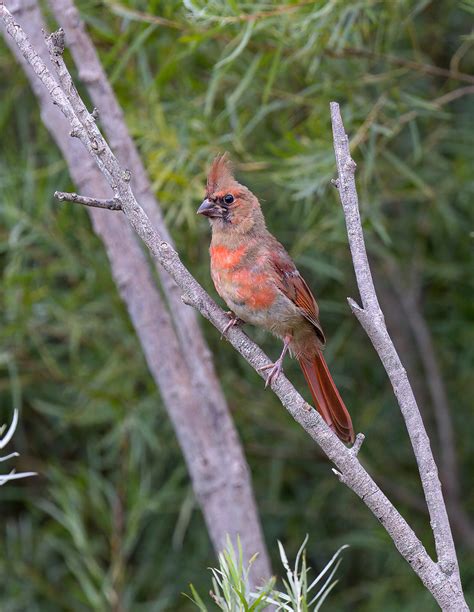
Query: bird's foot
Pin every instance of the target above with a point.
(276, 369)
(233, 320)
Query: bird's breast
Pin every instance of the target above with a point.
(241, 280)
(226, 258)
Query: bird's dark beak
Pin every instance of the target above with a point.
(207, 208)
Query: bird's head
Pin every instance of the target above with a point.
(228, 204)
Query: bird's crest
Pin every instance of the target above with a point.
(220, 174)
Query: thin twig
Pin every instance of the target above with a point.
(357, 444)
(459, 53)
(454, 94)
(437, 103)
(405, 63)
(362, 132)
(108, 204)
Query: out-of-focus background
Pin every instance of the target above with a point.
(196, 78)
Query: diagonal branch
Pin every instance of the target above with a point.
(202, 376)
(102, 95)
(408, 296)
(444, 585)
(372, 320)
(199, 414)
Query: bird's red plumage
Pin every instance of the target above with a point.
(258, 280)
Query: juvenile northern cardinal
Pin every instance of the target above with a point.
(259, 282)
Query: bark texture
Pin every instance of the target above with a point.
(180, 363)
(372, 320)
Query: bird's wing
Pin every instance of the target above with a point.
(294, 287)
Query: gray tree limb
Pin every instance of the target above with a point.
(92, 74)
(441, 581)
(200, 417)
(372, 320)
(195, 351)
(409, 299)
(104, 203)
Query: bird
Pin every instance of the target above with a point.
(257, 279)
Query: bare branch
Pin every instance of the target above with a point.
(191, 395)
(409, 300)
(437, 103)
(357, 444)
(201, 374)
(443, 584)
(107, 204)
(372, 320)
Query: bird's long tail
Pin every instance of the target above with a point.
(326, 396)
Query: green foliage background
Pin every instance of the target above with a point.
(111, 522)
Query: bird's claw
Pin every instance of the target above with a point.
(276, 369)
(233, 320)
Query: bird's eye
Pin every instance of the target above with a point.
(229, 198)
